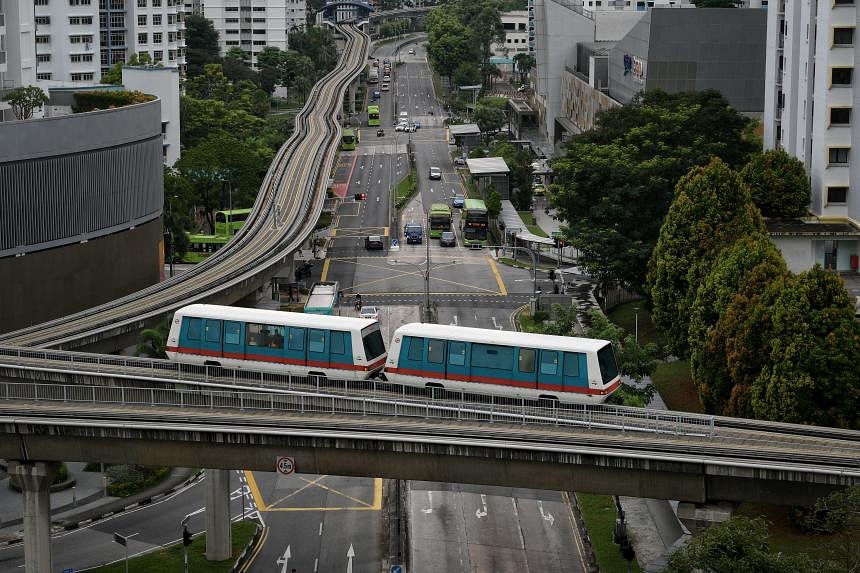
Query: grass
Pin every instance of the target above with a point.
(624, 315)
(522, 264)
(598, 513)
(324, 220)
(527, 323)
(529, 219)
(171, 558)
(675, 385)
(407, 187)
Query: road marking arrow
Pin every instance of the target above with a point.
(478, 513)
(284, 561)
(349, 555)
(546, 516)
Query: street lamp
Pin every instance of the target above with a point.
(636, 323)
(170, 231)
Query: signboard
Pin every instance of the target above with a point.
(395, 245)
(69, 570)
(634, 67)
(397, 569)
(285, 465)
(117, 538)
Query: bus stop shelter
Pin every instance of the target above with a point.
(490, 171)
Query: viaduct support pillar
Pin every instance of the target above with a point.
(35, 480)
(218, 533)
(352, 90)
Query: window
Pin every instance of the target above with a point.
(549, 362)
(608, 365)
(231, 9)
(43, 39)
(843, 2)
(171, 55)
(86, 39)
(232, 20)
(296, 339)
(372, 341)
(194, 328)
(841, 76)
(232, 42)
(117, 38)
(571, 364)
(457, 353)
(156, 37)
(232, 332)
(79, 2)
(416, 349)
(43, 58)
(141, 20)
(316, 340)
(43, 20)
(840, 115)
(492, 356)
(156, 3)
(337, 343)
(837, 195)
(142, 38)
(156, 19)
(78, 58)
(843, 36)
(43, 76)
(117, 21)
(157, 56)
(79, 20)
(436, 351)
(259, 42)
(40, 3)
(213, 327)
(527, 360)
(838, 155)
(82, 77)
(141, 3)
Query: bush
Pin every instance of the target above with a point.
(133, 479)
(89, 101)
(62, 474)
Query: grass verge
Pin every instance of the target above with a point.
(171, 558)
(324, 221)
(407, 187)
(675, 385)
(624, 315)
(529, 219)
(598, 513)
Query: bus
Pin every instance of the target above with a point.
(373, 115)
(228, 223)
(347, 140)
(475, 222)
(440, 219)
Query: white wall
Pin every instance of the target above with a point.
(163, 83)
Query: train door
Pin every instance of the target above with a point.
(211, 343)
(458, 365)
(549, 370)
(435, 362)
(318, 348)
(233, 340)
(575, 371)
(295, 346)
(526, 369)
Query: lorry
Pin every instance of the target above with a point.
(373, 76)
(414, 233)
(323, 298)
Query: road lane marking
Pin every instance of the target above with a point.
(326, 264)
(503, 290)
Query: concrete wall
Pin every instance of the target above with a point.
(798, 252)
(164, 84)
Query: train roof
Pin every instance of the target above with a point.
(275, 317)
(503, 337)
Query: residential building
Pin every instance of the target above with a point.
(251, 25)
(17, 50)
(809, 112)
(162, 82)
(67, 40)
(152, 27)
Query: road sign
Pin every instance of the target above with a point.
(397, 569)
(117, 538)
(69, 570)
(395, 245)
(285, 465)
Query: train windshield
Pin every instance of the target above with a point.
(608, 365)
(373, 343)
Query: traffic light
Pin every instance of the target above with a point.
(551, 274)
(360, 196)
(186, 537)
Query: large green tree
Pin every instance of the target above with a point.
(213, 84)
(317, 44)
(778, 184)
(25, 100)
(201, 41)
(708, 360)
(614, 185)
(489, 119)
(450, 41)
(810, 370)
(524, 64)
(712, 209)
(201, 118)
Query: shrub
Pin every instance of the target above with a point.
(89, 101)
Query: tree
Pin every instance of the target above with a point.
(151, 342)
(201, 118)
(708, 359)
(739, 545)
(317, 44)
(778, 183)
(489, 119)
(614, 185)
(114, 75)
(809, 373)
(466, 74)
(25, 100)
(237, 54)
(524, 64)
(201, 40)
(213, 84)
(712, 209)
(493, 203)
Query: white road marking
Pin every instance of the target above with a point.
(478, 513)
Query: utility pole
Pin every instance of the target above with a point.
(427, 276)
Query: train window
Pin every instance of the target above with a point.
(436, 351)
(232, 332)
(527, 360)
(416, 349)
(194, 328)
(213, 330)
(608, 365)
(337, 343)
(276, 337)
(297, 339)
(316, 340)
(549, 362)
(457, 353)
(571, 364)
(257, 334)
(492, 356)
(373, 344)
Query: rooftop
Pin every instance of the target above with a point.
(487, 166)
(800, 228)
(465, 129)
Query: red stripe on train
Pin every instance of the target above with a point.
(275, 359)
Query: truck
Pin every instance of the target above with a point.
(323, 298)
(373, 76)
(414, 233)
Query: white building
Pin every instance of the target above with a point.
(153, 27)
(516, 39)
(162, 82)
(67, 40)
(17, 50)
(809, 97)
(254, 24)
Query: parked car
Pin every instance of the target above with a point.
(460, 161)
(417, 125)
(458, 202)
(370, 312)
(448, 239)
(435, 173)
(374, 243)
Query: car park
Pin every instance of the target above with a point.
(458, 202)
(435, 173)
(374, 243)
(369, 312)
(448, 239)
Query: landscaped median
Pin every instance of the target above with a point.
(407, 187)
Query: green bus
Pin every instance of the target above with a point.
(440, 219)
(228, 223)
(475, 223)
(373, 115)
(347, 140)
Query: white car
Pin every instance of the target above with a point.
(412, 51)
(370, 312)
(402, 126)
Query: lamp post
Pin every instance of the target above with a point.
(170, 232)
(636, 323)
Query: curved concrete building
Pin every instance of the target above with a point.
(81, 198)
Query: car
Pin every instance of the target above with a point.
(410, 127)
(417, 125)
(401, 127)
(460, 161)
(448, 239)
(412, 51)
(404, 115)
(435, 173)
(458, 202)
(374, 243)
(369, 312)
(384, 87)
(376, 95)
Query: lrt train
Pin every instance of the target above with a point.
(475, 360)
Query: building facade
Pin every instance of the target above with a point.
(515, 24)
(162, 82)
(17, 50)
(251, 25)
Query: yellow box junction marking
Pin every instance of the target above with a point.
(360, 505)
